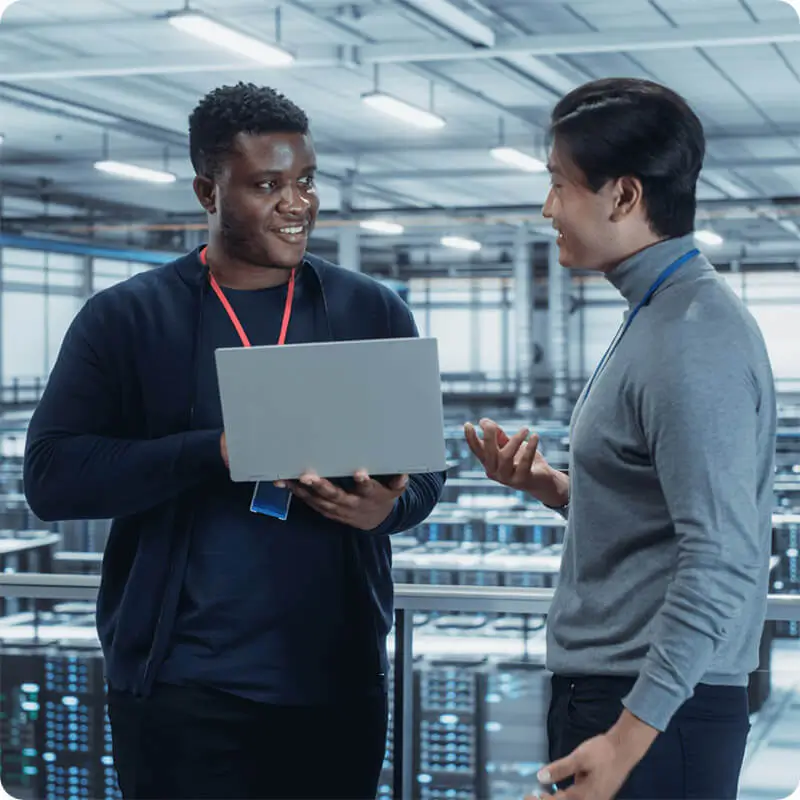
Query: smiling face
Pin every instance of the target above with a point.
(263, 202)
(585, 220)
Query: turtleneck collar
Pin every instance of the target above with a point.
(634, 276)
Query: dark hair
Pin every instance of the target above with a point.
(623, 127)
(230, 110)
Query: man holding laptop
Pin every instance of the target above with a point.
(244, 638)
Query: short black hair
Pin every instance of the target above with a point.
(625, 127)
(228, 111)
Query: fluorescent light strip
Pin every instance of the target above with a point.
(4, 6)
(516, 158)
(405, 112)
(134, 173)
(459, 243)
(456, 20)
(382, 226)
(708, 237)
(209, 30)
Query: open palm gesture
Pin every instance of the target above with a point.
(517, 463)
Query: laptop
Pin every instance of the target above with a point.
(332, 408)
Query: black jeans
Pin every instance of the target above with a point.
(183, 742)
(699, 756)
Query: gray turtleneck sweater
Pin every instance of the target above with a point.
(666, 557)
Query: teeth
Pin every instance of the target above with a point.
(298, 229)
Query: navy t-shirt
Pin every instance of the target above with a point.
(250, 575)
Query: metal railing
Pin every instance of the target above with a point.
(408, 599)
(21, 393)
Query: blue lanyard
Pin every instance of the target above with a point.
(667, 273)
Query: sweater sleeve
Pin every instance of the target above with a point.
(423, 491)
(699, 411)
(77, 466)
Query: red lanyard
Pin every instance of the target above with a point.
(287, 310)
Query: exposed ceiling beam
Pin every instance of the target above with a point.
(609, 41)
(91, 22)
(181, 63)
(367, 177)
(11, 28)
(349, 53)
(516, 69)
(356, 39)
(729, 209)
(471, 144)
(502, 172)
(68, 109)
(54, 194)
(454, 19)
(558, 81)
(42, 192)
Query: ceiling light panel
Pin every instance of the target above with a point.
(455, 20)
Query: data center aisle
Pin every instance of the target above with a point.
(772, 764)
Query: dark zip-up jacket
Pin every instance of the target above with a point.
(112, 438)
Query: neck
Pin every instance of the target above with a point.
(637, 273)
(232, 273)
(633, 248)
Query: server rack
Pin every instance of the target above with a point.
(59, 737)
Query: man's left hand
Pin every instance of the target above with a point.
(600, 766)
(365, 509)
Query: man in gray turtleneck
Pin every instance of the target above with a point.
(661, 600)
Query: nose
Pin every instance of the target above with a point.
(293, 200)
(547, 211)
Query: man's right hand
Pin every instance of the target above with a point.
(517, 463)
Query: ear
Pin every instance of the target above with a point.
(205, 190)
(627, 196)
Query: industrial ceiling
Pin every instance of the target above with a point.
(85, 81)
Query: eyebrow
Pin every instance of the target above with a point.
(276, 173)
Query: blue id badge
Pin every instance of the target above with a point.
(271, 501)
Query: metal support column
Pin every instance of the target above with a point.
(87, 265)
(523, 316)
(475, 365)
(349, 245)
(403, 708)
(193, 238)
(349, 249)
(558, 283)
(2, 277)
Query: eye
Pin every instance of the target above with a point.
(268, 185)
(308, 181)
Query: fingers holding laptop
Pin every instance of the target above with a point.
(223, 449)
(365, 508)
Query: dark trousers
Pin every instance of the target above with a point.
(183, 742)
(699, 756)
